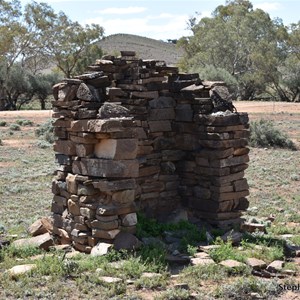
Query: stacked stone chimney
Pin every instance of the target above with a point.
(137, 135)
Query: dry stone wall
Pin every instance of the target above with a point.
(137, 135)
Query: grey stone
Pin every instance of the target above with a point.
(101, 249)
(112, 110)
(127, 241)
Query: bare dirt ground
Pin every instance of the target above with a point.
(251, 107)
(267, 107)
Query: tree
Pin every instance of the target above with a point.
(36, 39)
(65, 42)
(241, 40)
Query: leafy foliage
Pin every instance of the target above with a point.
(260, 54)
(264, 134)
(33, 39)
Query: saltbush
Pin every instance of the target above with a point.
(24, 122)
(45, 131)
(264, 134)
(15, 127)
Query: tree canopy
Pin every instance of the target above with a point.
(35, 38)
(251, 47)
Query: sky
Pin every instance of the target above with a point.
(158, 19)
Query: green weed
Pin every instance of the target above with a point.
(3, 123)
(174, 294)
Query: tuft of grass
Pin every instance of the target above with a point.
(225, 251)
(174, 294)
(151, 282)
(189, 233)
(24, 122)
(243, 287)
(264, 134)
(3, 123)
(15, 127)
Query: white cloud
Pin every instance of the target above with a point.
(268, 6)
(170, 27)
(122, 10)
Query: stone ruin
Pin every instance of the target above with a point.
(138, 135)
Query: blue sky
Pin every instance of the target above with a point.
(159, 19)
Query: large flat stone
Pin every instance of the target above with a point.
(117, 149)
(43, 241)
(103, 126)
(107, 168)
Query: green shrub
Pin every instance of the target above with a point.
(3, 123)
(1, 144)
(43, 144)
(24, 122)
(15, 127)
(264, 134)
(45, 131)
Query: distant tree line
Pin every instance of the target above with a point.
(37, 46)
(257, 56)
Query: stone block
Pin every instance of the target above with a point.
(43, 241)
(158, 114)
(103, 234)
(241, 185)
(184, 113)
(230, 161)
(162, 102)
(129, 219)
(100, 126)
(123, 197)
(111, 210)
(41, 226)
(73, 208)
(107, 168)
(114, 185)
(96, 224)
(64, 147)
(117, 149)
(160, 126)
(84, 150)
(72, 185)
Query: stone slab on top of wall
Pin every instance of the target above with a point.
(136, 134)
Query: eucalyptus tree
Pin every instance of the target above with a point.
(243, 41)
(36, 38)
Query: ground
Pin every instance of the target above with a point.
(26, 171)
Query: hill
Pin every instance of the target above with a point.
(145, 48)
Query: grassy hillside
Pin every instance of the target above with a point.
(145, 48)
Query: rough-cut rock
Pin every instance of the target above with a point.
(126, 241)
(21, 270)
(101, 249)
(202, 259)
(117, 149)
(112, 110)
(253, 227)
(43, 241)
(232, 264)
(41, 226)
(234, 237)
(275, 266)
(110, 280)
(255, 263)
